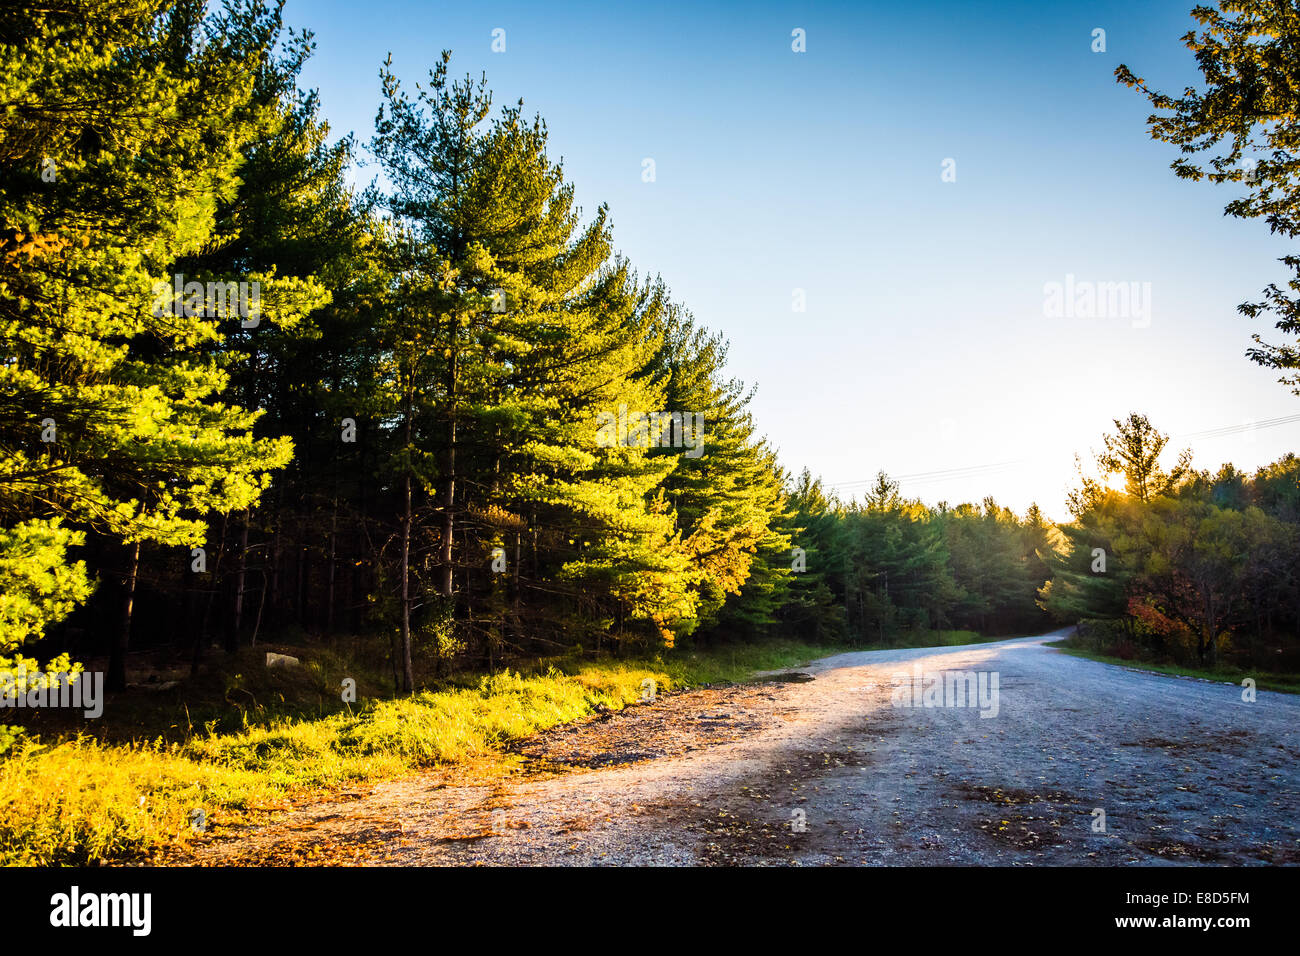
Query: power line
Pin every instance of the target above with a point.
(1244, 427)
(972, 471)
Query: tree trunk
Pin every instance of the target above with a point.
(408, 676)
(117, 658)
(408, 679)
(213, 581)
(1211, 632)
(241, 578)
(449, 472)
(304, 585)
(261, 605)
(514, 596)
(271, 581)
(329, 602)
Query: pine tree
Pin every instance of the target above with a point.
(118, 145)
(1134, 451)
(729, 499)
(813, 606)
(528, 331)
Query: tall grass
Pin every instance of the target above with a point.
(77, 800)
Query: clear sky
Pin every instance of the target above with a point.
(924, 346)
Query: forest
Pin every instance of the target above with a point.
(409, 437)
(244, 401)
(363, 501)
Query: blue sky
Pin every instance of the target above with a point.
(924, 346)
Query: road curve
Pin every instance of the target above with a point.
(836, 771)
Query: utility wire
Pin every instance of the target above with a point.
(971, 471)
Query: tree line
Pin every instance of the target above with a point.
(1179, 563)
(887, 566)
(441, 408)
(405, 438)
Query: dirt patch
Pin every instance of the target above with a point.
(671, 726)
(775, 816)
(1211, 741)
(368, 832)
(1179, 851)
(1021, 830)
(1012, 796)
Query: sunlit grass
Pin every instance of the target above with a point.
(77, 800)
(932, 638)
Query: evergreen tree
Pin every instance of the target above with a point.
(728, 500)
(119, 143)
(531, 331)
(810, 608)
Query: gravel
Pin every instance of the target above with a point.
(829, 771)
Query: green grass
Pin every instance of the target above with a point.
(906, 639)
(688, 668)
(71, 800)
(241, 739)
(1284, 683)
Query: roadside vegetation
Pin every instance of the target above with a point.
(1180, 567)
(1285, 683)
(463, 453)
(229, 750)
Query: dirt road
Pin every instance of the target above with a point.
(834, 770)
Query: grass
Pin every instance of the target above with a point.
(73, 799)
(908, 639)
(739, 662)
(242, 739)
(1284, 683)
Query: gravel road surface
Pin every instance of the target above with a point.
(835, 771)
